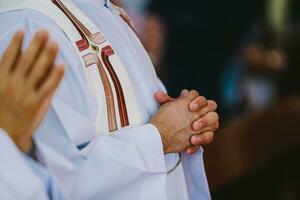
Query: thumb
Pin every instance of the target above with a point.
(162, 97)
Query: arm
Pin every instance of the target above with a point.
(28, 80)
(15, 173)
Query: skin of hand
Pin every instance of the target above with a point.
(207, 123)
(174, 122)
(28, 80)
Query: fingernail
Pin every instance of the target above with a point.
(198, 125)
(184, 92)
(195, 106)
(197, 141)
(194, 141)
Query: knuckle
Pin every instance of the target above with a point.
(216, 116)
(194, 92)
(212, 105)
(202, 101)
(195, 116)
(216, 126)
(204, 121)
(212, 116)
(208, 137)
(210, 140)
(203, 111)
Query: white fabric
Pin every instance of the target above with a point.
(129, 164)
(15, 174)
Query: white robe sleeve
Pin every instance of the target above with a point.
(120, 166)
(15, 174)
(133, 170)
(195, 176)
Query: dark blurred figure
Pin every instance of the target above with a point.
(266, 68)
(289, 81)
(256, 155)
(200, 36)
(249, 81)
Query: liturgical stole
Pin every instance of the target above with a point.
(105, 74)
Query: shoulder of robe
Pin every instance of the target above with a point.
(30, 21)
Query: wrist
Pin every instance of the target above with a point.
(165, 144)
(162, 136)
(25, 145)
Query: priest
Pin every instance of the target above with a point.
(105, 135)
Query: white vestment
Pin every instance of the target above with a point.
(23, 178)
(128, 164)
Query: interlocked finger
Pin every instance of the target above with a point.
(206, 121)
(203, 138)
(193, 149)
(210, 107)
(190, 96)
(198, 103)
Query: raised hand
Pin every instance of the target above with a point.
(207, 123)
(27, 83)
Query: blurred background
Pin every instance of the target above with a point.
(246, 56)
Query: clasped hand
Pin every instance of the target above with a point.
(185, 123)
